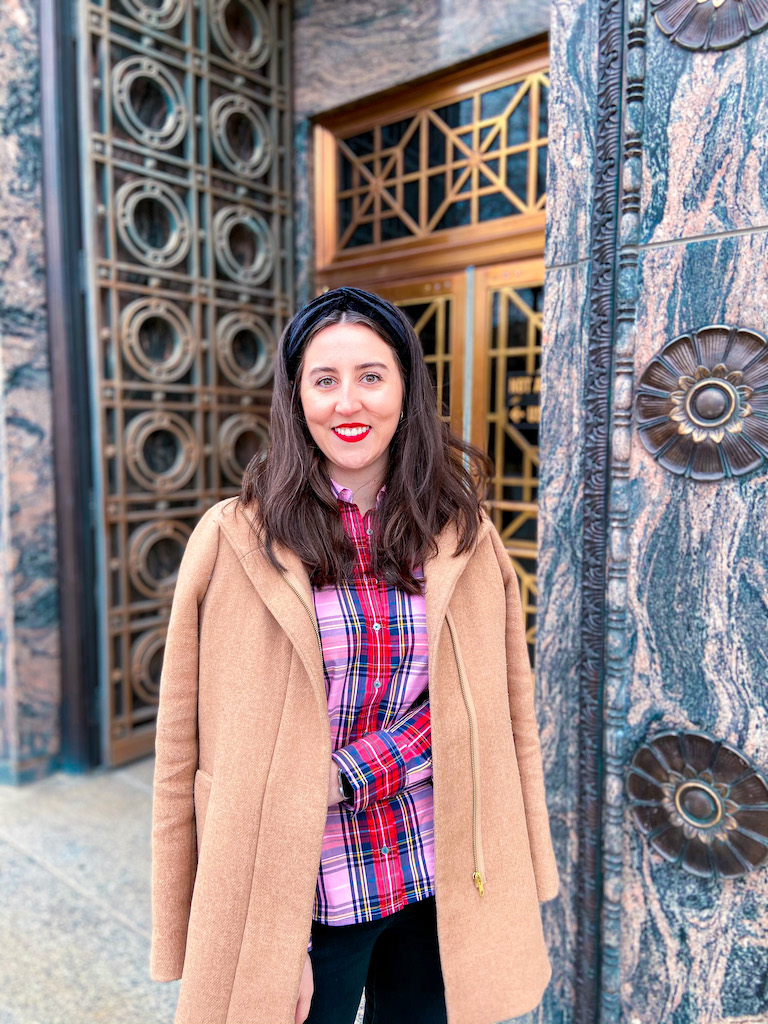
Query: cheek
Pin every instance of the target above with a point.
(313, 406)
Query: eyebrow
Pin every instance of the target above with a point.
(360, 366)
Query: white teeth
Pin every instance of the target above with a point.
(351, 431)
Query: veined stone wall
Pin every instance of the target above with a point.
(652, 584)
(29, 639)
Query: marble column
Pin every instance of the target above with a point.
(29, 638)
(673, 635)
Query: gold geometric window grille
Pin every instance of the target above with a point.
(509, 386)
(431, 321)
(451, 163)
(478, 159)
(436, 310)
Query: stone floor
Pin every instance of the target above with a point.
(75, 901)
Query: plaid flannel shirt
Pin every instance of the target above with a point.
(378, 851)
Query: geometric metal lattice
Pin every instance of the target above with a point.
(436, 309)
(477, 159)
(186, 129)
(431, 319)
(513, 374)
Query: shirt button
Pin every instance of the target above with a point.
(385, 849)
(377, 626)
(369, 531)
(377, 683)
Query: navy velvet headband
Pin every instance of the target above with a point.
(381, 312)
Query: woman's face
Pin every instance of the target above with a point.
(352, 395)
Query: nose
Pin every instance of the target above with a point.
(348, 400)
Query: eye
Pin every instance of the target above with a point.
(375, 377)
(323, 381)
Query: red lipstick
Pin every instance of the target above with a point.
(357, 437)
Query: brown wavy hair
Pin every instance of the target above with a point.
(433, 476)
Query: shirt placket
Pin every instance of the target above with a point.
(379, 647)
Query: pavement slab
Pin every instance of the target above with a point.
(75, 907)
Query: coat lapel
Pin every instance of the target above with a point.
(294, 614)
(441, 574)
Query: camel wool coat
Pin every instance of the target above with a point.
(241, 782)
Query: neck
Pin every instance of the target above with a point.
(364, 487)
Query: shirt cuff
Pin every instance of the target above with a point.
(375, 768)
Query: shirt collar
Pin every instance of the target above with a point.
(345, 494)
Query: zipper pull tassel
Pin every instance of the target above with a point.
(478, 882)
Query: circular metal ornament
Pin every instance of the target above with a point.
(244, 248)
(245, 348)
(702, 403)
(153, 223)
(701, 803)
(710, 24)
(157, 339)
(241, 437)
(161, 450)
(147, 664)
(154, 557)
(243, 31)
(163, 14)
(149, 102)
(241, 136)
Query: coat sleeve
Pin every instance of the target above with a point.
(525, 731)
(174, 846)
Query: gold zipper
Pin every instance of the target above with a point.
(477, 846)
(309, 611)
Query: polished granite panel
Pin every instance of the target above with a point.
(344, 51)
(571, 150)
(695, 950)
(559, 605)
(29, 678)
(705, 139)
(303, 209)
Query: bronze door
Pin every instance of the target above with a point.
(186, 134)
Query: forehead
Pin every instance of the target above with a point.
(342, 344)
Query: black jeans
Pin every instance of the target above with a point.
(395, 958)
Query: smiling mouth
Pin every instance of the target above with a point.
(351, 433)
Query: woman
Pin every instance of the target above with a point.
(348, 783)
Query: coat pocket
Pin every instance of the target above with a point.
(202, 794)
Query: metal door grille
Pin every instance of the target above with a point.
(185, 121)
(508, 376)
(436, 310)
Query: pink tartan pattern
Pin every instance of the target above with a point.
(378, 850)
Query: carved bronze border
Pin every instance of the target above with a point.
(596, 476)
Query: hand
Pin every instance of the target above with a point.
(306, 988)
(335, 796)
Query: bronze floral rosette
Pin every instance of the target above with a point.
(710, 24)
(700, 803)
(702, 403)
